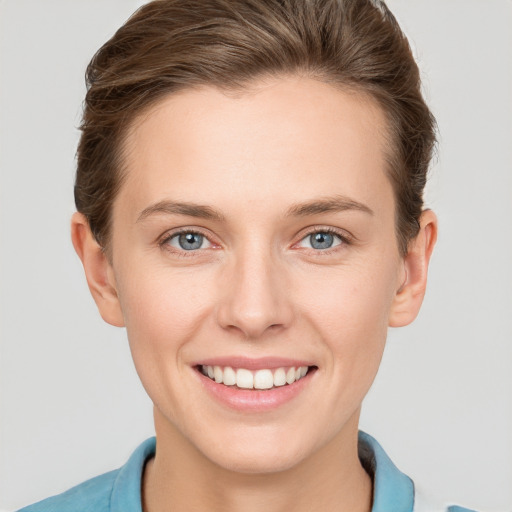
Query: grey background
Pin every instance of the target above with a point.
(71, 405)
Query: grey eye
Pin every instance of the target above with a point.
(321, 240)
(189, 241)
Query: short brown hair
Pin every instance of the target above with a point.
(168, 45)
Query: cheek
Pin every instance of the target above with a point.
(164, 311)
(349, 307)
(350, 299)
(163, 306)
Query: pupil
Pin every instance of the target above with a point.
(321, 240)
(190, 241)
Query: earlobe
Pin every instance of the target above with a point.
(409, 296)
(98, 271)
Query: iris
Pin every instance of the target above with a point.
(190, 241)
(321, 240)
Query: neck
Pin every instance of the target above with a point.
(180, 478)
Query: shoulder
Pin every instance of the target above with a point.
(392, 489)
(90, 496)
(115, 491)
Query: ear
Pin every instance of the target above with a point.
(409, 296)
(98, 271)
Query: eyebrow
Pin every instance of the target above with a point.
(327, 204)
(314, 207)
(181, 208)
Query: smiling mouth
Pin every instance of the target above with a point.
(262, 379)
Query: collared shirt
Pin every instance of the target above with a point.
(120, 490)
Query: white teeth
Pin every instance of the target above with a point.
(217, 374)
(260, 379)
(244, 379)
(279, 377)
(229, 376)
(263, 379)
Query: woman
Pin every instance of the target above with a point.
(249, 195)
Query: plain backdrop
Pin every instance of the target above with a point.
(71, 403)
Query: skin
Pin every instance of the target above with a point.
(257, 287)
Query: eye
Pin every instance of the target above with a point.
(188, 241)
(321, 240)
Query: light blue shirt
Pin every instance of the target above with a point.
(119, 490)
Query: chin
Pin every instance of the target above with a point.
(257, 463)
(258, 453)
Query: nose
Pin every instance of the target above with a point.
(255, 298)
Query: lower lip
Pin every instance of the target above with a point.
(254, 400)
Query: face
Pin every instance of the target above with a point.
(255, 236)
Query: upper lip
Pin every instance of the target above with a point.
(253, 363)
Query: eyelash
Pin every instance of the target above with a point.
(164, 242)
(345, 238)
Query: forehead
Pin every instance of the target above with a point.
(284, 139)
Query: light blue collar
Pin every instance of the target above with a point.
(392, 490)
(126, 495)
